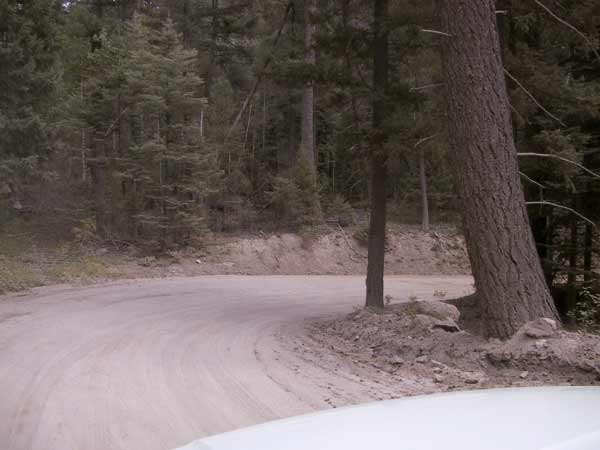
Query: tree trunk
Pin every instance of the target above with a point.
(572, 273)
(375, 265)
(588, 253)
(507, 271)
(212, 51)
(424, 199)
(308, 94)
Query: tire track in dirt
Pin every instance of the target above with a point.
(155, 364)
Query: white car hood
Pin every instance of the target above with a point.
(552, 418)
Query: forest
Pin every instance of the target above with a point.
(159, 122)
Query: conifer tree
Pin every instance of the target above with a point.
(176, 171)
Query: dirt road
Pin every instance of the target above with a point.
(154, 364)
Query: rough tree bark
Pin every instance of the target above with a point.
(375, 265)
(507, 271)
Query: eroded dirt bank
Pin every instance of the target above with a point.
(420, 344)
(328, 250)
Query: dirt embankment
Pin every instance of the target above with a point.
(421, 344)
(28, 263)
(332, 252)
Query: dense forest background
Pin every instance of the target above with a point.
(156, 122)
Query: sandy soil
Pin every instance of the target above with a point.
(155, 364)
(332, 251)
(419, 345)
(39, 261)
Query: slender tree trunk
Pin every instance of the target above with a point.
(375, 265)
(542, 235)
(587, 253)
(84, 168)
(507, 270)
(201, 123)
(424, 199)
(212, 52)
(308, 94)
(573, 252)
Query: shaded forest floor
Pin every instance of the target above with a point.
(30, 258)
(418, 347)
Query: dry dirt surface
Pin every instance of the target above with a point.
(155, 364)
(332, 251)
(420, 344)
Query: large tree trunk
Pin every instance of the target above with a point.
(375, 266)
(507, 270)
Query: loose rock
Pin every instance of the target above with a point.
(439, 310)
(540, 328)
(448, 325)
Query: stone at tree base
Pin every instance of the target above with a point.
(438, 310)
(540, 328)
(397, 361)
(471, 379)
(422, 323)
(447, 325)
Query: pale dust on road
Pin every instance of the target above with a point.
(155, 364)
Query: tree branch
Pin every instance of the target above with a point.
(531, 96)
(424, 30)
(426, 139)
(571, 210)
(428, 86)
(572, 27)
(532, 181)
(260, 75)
(560, 158)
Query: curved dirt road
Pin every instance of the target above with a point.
(154, 364)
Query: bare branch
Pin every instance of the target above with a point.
(531, 96)
(260, 75)
(560, 158)
(532, 181)
(114, 124)
(428, 86)
(519, 114)
(572, 27)
(566, 208)
(423, 30)
(426, 139)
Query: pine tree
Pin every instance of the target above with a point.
(508, 275)
(175, 169)
(27, 85)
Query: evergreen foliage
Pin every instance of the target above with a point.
(120, 114)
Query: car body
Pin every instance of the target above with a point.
(545, 418)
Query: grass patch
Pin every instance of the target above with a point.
(15, 276)
(82, 269)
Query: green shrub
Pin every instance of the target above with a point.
(295, 198)
(586, 313)
(340, 210)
